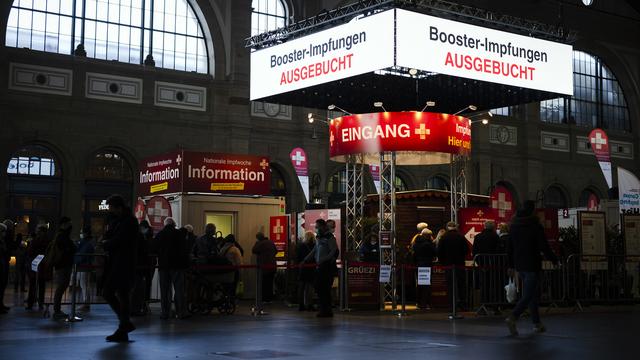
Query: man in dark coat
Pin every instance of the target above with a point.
(173, 261)
(64, 264)
(485, 246)
(452, 250)
(424, 251)
(121, 243)
(265, 252)
(524, 251)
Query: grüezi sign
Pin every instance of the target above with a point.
(360, 46)
(202, 172)
(449, 47)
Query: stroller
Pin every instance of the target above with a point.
(209, 288)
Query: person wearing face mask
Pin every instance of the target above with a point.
(369, 251)
(62, 264)
(324, 254)
(83, 261)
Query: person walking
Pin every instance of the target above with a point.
(324, 254)
(231, 252)
(306, 274)
(83, 261)
(62, 263)
(173, 261)
(265, 252)
(145, 268)
(524, 251)
(205, 246)
(452, 251)
(37, 280)
(424, 251)
(120, 243)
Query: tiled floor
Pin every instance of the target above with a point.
(601, 333)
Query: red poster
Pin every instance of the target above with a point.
(158, 209)
(400, 131)
(160, 174)
(310, 217)
(278, 233)
(600, 145)
(471, 222)
(140, 211)
(502, 201)
(549, 220)
(363, 283)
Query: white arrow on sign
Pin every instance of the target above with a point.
(471, 234)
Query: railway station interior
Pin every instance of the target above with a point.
(270, 179)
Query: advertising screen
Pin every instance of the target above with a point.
(449, 47)
(360, 46)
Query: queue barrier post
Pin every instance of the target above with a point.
(454, 293)
(258, 309)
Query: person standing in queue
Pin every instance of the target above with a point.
(173, 260)
(21, 266)
(63, 264)
(37, 280)
(231, 252)
(83, 261)
(370, 250)
(524, 251)
(120, 242)
(485, 246)
(265, 251)
(424, 251)
(324, 254)
(205, 246)
(452, 251)
(306, 273)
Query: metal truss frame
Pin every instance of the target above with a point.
(387, 220)
(355, 202)
(458, 178)
(440, 8)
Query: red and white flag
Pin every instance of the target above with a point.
(300, 164)
(600, 146)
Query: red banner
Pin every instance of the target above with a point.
(140, 211)
(186, 171)
(363, 285)
(160, 174)
(401, 132)
(600, 145)
(278, 233)
(300, 164)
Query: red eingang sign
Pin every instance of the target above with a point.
(418, 138)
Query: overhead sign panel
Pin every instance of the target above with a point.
(360, 46)
(449, 47)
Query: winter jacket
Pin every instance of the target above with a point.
(265, 251)
(121, 244)
(452, 249)
(67, 249)
(85, 247)
(204, 248)
(527, 244)
(232, 253)
(171, 244)
(302, 251)
(370, 253)
(424, 251)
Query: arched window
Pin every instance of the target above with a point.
(338, 183)
(33, 160)
(597, 99)
(400, 184)
(122, 30)
(108, 165)
(437, 183)
(267, 15)
(589, 199)
(554, 198)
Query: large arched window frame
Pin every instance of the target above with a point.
(597, 101)
(268, 15)
(122, 30)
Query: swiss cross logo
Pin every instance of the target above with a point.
(278, 229)
(598, 140)
(332, 138)
(422, 131)
(298, 158)
(178, 159)
(480, 213)
(502, 204)
(139, 211)
(264, 164)
(158, 209)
